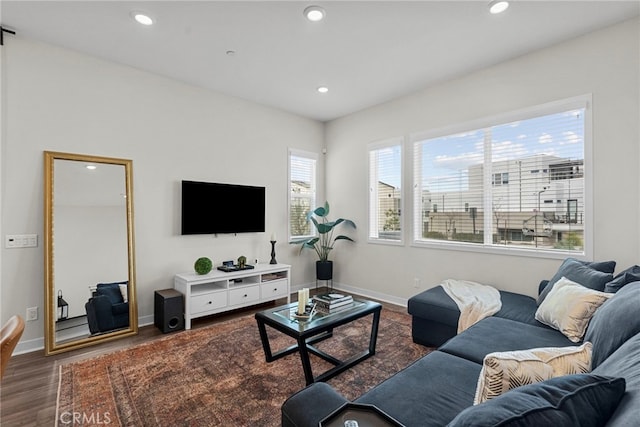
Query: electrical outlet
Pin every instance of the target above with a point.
(32, 313)
(416, 282)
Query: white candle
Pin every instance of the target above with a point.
(306, 295)
(301, 303)
(273, 237)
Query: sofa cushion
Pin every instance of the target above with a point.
(434, 304)
(497, 334)
(631, 274)
(624, 363)
(120, 309)
(572, 400)
(617, 283)
(614, 323)
(521, 308)
(569, 307)
(430, 333)
(593, 275)
(111, 290)
(503, 371)
(429, 393)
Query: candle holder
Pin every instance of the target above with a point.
(273, 253)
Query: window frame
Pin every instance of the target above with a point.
(313, 199)
(374, 146)
(582, 101)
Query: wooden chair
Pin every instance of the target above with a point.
(9, 337)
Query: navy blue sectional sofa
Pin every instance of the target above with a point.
(439, 389)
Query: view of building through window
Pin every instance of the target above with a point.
(515, 184)
(302, 192)
(385, 192)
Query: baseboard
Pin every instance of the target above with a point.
(29, 346)
(146, 320)
(368, 293)
(37, 344)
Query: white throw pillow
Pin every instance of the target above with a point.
(503, 371)
(569, 307)
(124, 292)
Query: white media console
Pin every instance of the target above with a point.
(219, 291)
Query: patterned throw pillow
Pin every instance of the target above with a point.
(569, 307)
(503, 371)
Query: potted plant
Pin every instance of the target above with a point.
(324, 241)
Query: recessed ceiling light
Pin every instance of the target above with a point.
(323, 89)
(498, 6)
(142, 18)
(91, 167)
(314, 13)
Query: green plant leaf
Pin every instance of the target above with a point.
(341, 237)
(324, 227)
(348, 222)
(311, 242)
(322, 211)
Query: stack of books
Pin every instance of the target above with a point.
(331, 303)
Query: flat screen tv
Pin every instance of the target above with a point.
(213, 208)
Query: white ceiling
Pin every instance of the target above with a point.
(366, 52)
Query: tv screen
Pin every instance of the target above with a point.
(212, 208)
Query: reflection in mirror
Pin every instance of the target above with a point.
(90, 286)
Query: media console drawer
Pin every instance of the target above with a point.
(243, 295)
(274, 288)
(207, 302)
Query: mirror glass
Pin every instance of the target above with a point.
(89, 258)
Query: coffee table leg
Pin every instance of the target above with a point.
(265, 341)
(304, 358)
(374, 332)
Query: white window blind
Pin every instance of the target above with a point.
(519, 183)
(385, 190)
(302, 192)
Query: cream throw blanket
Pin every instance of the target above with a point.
(474, 300)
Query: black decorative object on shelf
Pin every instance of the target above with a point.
(63, 307)
(2, 31)
(273, 253)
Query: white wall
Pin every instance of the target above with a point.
(59, 100)
(604, 63)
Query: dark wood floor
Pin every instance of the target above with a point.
(29, 388)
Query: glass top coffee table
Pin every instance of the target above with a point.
(309, 332)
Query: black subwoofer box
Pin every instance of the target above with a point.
(169, 310)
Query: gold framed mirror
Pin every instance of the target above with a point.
(90, 293)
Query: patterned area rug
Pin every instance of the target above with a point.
(217, 376)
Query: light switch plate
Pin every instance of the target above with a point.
(13, 241)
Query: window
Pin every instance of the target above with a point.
(302, 192)
(500, 178)
(495, 185)
(385, 191)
